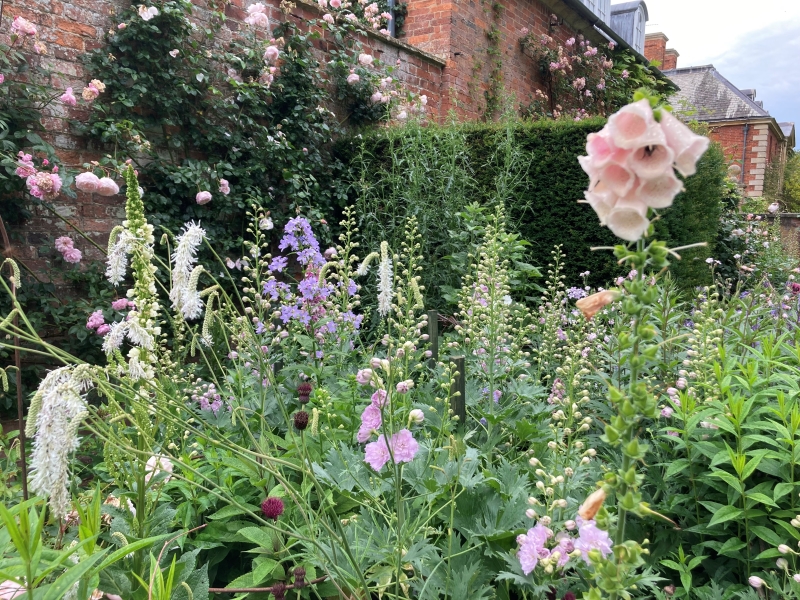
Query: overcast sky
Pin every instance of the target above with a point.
(752, 44)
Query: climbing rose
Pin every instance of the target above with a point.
(365, 59)
(271, 53)
(95, 319)
(224, 187)
(107, 187)
(103, 329)
(73, 255)
(353, 78)
(87, 182)
(203, 197)
(147, 13)
(257, 15)
(328, 18)
(68, 97)
(120, 304)
(22, 26)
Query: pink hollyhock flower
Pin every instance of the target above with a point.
(365, 59)
(353, 78)
(687, 146)
(68, 97)
(224, 187)
(95, 320)
(22, 26)
(271, 53)
(73, 255)
(203, 197)
(364, 376)
(103, 329)
(532, 547)
(87, 182)
(592, 538)
(120, 304)
(404, 446)
(107, 187)
(379, 398)
(376, 454)
(328, 18)
(370, 421)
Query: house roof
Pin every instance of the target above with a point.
(786, 128)
(712, 96)
(630, 6)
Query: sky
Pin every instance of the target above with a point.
(752, 44)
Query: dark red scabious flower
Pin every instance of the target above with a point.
(279, 590)
(272, 508)
(795, 288)
(303, 392)
(299, 578)
(301, 420)
(569, 596)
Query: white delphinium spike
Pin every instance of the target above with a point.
(139, 335)
(119, 246)
(60, 406)
(385, 291)
(115, 336)
(183, 260)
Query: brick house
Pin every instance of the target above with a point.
(749, 135)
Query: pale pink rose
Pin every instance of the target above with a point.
(122, 26)
(107, 187)
(365, 59)
(633, 126)
(224, 187)
(376, 97)
(72, 255)
(257, 15)
(103, 329)
(271, 53)
(2, 78)
(174, 53)
(402, 115)
(63, 243)
(147, 13)
(90, 93)
(203, 197)
(68, 97)
(328, 18)
(25, 167)
(23, 26)
(353, 78)
(87, 182)
(120, 304)
(40, 48)
(687, 146)
(336, 3)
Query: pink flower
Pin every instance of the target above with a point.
(364, 376)
(257, 15)
(633, 126)
(90, 93)
(404, 386)
(2, 78)
(44, 185)
(687, 146)
(365, 59)
(68, 97)
(570, 42)
(22, 26)
(565, 546)
(63, 243)
(353, 78)
(224, 187)
(87, 182)
(103, 329)
(376, 97)
(147, 13)
(328, 18)
(107, 187)
(532, 547)
(271, 53)
(376, 454)
(404, 446)
(25, 166)
(10, 590)
(379, 398)
(95, 320)
(73, 255)
(174, 53)
(666, 412)
(592, 538)
(120, 304)
(122, 26)
(370, 421)
(203, 197)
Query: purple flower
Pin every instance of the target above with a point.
(376, 454)
(120, 304)
(565, 545)
(364, 376)
(95, 320)
(352, 288)
(379, 398)
(370, 421)
(278, 264)
(576, 293)
(531, 547)
(560, 334)
(592, 538)
(404, 446)
(666, 412)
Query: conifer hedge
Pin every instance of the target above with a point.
(435, 171)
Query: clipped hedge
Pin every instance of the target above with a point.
(532, 167)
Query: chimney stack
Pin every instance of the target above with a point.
(655, 47)
(670, 59)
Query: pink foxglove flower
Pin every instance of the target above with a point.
(687, 146)
(87, 182)
(271, 53)
(203, 197)
(107, 187)
(376, 454)
(68, 97)
(22, 26)
(224, 187)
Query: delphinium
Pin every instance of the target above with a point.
(549, 320)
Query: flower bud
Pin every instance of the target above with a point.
(416, 416)
(592, 504)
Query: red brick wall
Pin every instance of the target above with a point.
(670, 60)
(655, 47)
(762, 147)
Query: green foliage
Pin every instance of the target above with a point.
(791, 183)
(433, 173)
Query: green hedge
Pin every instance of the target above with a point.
(433, 172)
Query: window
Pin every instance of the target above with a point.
(638, 33)
(601, 8)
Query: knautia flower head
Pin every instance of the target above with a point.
(272, 507)
(300, 420)
(56, 411)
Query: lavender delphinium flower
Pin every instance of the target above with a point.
(532, 547)
(592, 538)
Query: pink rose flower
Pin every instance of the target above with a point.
(90, 93)
(87, 182)
(257, 15)
(224, 187)
(352, 78)
(25, 167)
(22, 26)
(376, 97)
(73, 255)
(95, 320)
(336, 3)
(271, 54)
(365, 59)
(107, 187)
(68, 97)
(328, 18)
(103, 329)
(120, 304)
(203, 197)
(2, 78)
